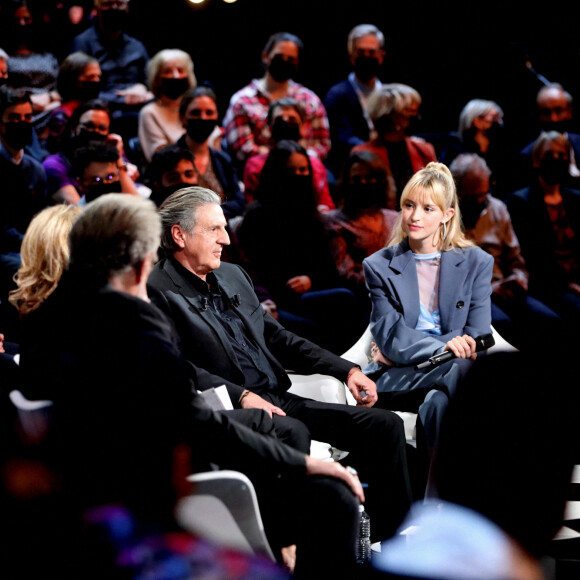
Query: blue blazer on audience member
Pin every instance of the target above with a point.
(348, 125)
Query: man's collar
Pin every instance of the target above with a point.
(363, 88)
(7, 155)
(201, 285)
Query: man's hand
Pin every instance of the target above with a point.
(462, 347)
(334, 469)
(299, 284)
(116, 141)
(362, 388)
(253, 401)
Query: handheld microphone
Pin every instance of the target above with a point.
(482, 342)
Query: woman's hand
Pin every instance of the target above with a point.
(379, 357)
(462, 347)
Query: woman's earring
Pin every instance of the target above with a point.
(444, 231)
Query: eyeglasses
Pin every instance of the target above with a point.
(104, 179)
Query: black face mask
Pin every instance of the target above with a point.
(384, 125)
(364, 196)
(199, 130)
(554, 171)
(471, 210)
(88, 90)
(496, 131)
(558, 126)
(18, 134)
(414, 126)
(282, 70)
(97, 189)
(113, 19)
(84, 137)
(285, 130)
(173, 88)
(366, 68)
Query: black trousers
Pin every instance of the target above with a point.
(286, 429)
(319, 514)
(375, 440)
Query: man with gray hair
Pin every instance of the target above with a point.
(223, 329)
(345, 102)
(554, 106)
(126, 427)
(517, 316)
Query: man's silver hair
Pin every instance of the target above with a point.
(363, 30)
(113, 234)
(181, 208)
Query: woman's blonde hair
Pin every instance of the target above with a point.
(435, 180)
(44, 256)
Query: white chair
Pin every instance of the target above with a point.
(32, 415)
(328, 389)
(223, 509)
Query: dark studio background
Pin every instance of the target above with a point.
(450, 52)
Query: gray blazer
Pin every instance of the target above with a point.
(464, 300)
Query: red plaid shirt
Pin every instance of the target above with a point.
(246, 125)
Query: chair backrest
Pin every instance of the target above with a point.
(223, 508)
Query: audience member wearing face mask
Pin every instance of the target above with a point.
(519, 317)
(362, 224)
(246, 124)
(546, 219)
(78, 81)
(170, 75)
(392, 109)
(23, 183)
(554, 106)
(286, 121)
(346, 101)
(288, 253)
(90, 123)
(100, 170)
(199, 117)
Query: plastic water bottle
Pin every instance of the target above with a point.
(363, 547)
